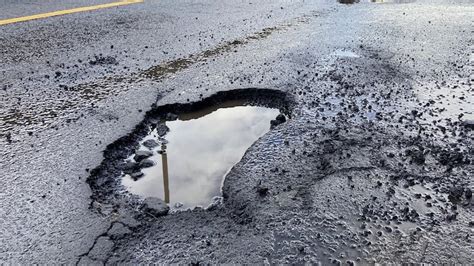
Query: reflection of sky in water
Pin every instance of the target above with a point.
(201, 151)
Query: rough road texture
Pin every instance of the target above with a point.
(374, 166)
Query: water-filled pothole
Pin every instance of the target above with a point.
(185, 158)
(193, 144)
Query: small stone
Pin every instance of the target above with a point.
(280, 119)
(146, 163)
(129, 221)
(171, 117)
(451, 217)
(417, 156)
(301, 250)
(136, 175)
(162, 129)
(150, 144)
(216, 202)
(129, 167)
(455, 194)
(469, 124)
(118, 231)
(141, 155)
(100, 60)
(468, 193)
(262, 191)
(155, 206)
(273, 124)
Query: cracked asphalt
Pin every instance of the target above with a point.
(374, 166)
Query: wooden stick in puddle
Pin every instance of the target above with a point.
(164, 161)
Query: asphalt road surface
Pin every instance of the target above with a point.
(374, 166)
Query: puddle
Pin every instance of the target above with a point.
(202, 143)
(192, 158)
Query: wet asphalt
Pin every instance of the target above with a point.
(374, 166)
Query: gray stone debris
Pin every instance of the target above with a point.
(155, 206)
(162, 129)
(146, 163)
(171, 117)
(150, 144)
(141, 155)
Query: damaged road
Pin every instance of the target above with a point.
(374, 164)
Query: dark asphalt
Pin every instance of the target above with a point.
(338, 173)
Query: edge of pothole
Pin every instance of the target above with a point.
(103, 180)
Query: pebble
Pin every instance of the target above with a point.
(280, 119)
(155, 206)
(468, 193)
(136, 175)
(150, 144)
(129, 167)
(469, 124)
(141, 155)
(171, 117)
(118, 231)
(162, 129)
(146, 163)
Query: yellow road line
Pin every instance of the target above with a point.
(68, 11)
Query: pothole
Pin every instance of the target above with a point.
(185, 157)
(181, 153)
